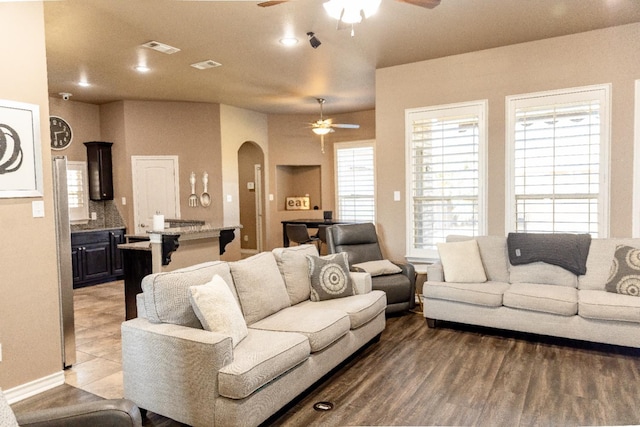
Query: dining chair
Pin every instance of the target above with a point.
(298, 233)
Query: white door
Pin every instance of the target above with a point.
(156, 189)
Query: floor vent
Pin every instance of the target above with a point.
(323, 406)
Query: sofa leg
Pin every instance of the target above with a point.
(143, 413)
(430, 322)
(376, 338)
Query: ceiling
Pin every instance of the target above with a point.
(99, 40)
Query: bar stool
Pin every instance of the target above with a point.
(299, 234)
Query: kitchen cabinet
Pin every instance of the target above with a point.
(95, 256)
(100, 170)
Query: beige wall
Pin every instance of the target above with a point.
(29, 305)
(603, 56)
(84, 120)
(291, 142)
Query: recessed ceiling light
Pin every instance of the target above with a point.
(84, 83)
(142, 68)
(288, 41)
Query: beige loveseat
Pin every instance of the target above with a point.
(174, 367)
(538, 297)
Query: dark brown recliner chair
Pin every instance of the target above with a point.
(360, 241)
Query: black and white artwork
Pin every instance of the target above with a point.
(20, 150)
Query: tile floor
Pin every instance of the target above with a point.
(99, 311)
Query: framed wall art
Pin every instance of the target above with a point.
(20, 150)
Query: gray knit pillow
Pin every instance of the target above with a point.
(624, 277)
(330, 277)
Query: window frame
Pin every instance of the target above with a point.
(479, 107)
(79, 215)
(348, 145)
(560, 96)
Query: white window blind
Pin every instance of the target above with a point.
(77, 191)
(446, 178)
(558, 142)
(355, 181)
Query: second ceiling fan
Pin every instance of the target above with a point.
(324, 126)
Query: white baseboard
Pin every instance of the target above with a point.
(32, 388)
(248, 251)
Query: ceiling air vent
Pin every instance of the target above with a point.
(161, 47)
(203, 65)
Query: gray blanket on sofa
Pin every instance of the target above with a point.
(568, 251)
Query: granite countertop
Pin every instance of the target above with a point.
(89, 230)
(139, 246)
(194, 229)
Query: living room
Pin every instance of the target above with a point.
(29, 313)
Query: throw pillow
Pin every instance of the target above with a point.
(218, 310)
(330, 277)
(624, 277)
(461, 262)
(377, 268)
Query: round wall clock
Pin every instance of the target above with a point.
(61, 134)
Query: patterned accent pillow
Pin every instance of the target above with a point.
(624, 277)
(330, 277)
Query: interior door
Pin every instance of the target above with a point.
(156, 189)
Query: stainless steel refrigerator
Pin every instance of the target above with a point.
(65, 274)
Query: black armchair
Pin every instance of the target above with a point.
(110, 412)
(360, 242)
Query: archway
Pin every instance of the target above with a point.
(251, 197)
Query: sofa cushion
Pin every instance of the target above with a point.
(461, 262)
(294, 268)
(599, 261)
(377, 268)
(218, 310)
(360, 308)
(260, 358)
(322, 326)
(487, 294)
(330, 277)
(261, 289)
(166, 295)
(625, 272)
(560, 300)
(493, 251)
(601, 305)
(542, 273)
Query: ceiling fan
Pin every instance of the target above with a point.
(324, 126)
(429, 4)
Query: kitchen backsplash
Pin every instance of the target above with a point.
(107, 216)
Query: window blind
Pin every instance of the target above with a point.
(355, 181)
(557, 164)
(445, 174)
(77, 191)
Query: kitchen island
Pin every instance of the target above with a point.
(187, 243)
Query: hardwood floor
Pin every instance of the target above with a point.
(451, 375)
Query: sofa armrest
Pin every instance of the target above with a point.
(172, 369)
(113, 412)
(435, 272)
(361, 282)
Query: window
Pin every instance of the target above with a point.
(355, 181)
(77, 191)
(558, 144)
(446, 175)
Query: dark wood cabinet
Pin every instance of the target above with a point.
(100, 170)
(96, 257)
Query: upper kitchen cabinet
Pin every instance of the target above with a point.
(100, 172)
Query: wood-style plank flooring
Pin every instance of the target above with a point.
(451, 375)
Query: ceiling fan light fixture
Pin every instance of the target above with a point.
(351, 11)
(321, 130)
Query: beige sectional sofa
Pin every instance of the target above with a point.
(174, 367)
(538, 297)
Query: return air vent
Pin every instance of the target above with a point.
(203, 65)
(161, 47)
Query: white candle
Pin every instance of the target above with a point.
(158, 223)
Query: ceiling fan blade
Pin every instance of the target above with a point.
(271, 3)
(345, 126)
(429, 4)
